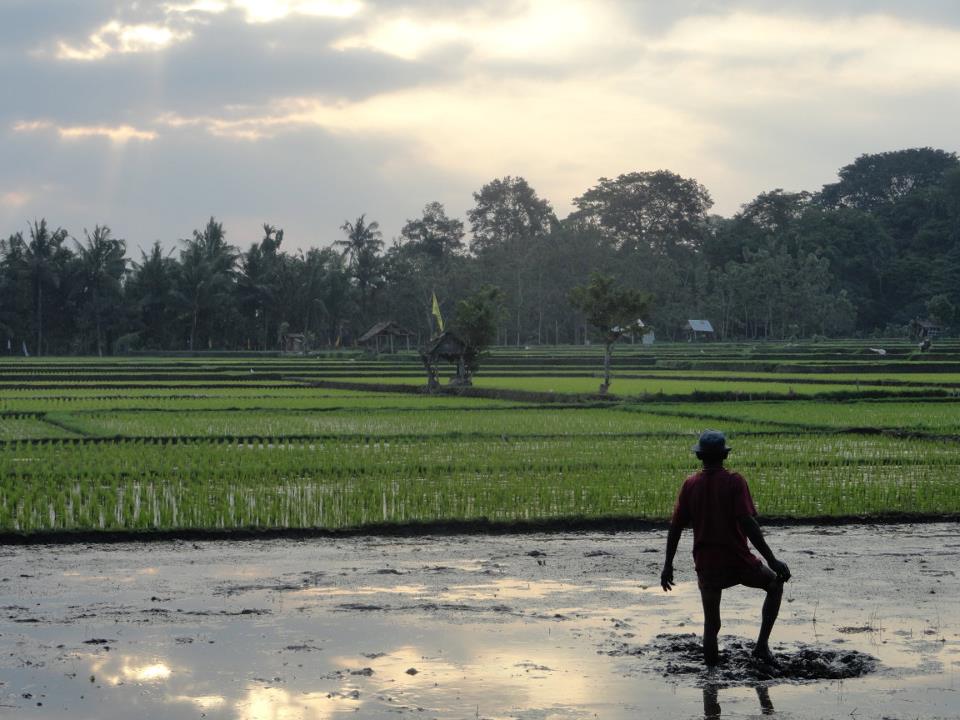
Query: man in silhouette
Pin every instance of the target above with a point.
(718, 505)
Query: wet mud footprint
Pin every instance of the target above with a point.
(681, 657)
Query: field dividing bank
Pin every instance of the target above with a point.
(153, 445)
(651, 388)
(517, 422)
(930, 416)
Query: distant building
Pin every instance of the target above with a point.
(448, 347)
(385, 337)
(295, 343)
(632, 331)
(693, 327)
(925, 329)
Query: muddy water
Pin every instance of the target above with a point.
(532, 627)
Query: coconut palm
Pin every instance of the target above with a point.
(361, 246)
(150, 293)
(102, 264)
(206, 275)
(42, 258)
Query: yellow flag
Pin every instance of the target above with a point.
(436, 312)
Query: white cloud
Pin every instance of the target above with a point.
(270, 10)
(265, 11)
(118, 134)
(544, 31)
(560, 136)
(115, 37)
(213, 7)
(873, 52)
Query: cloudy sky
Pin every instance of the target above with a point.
(152, 116)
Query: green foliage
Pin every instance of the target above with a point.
(862, 255)
(508, 212)
(657, 210)
(613, 311)
(941, 310)
(476, 320)
(875, 182)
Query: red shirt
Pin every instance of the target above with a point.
(712, 501)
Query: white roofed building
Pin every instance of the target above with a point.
(698, 326)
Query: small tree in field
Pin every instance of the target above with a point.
(476, 324)
(613, 311)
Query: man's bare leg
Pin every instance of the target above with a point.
(771, 609)
(711, 624)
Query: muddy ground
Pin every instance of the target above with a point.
(516, 626)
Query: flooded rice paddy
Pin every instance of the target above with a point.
(541, 627)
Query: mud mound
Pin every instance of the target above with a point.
(681, 656)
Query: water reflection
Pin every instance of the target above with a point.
(270, 703)
(711, 701)
(503, 590)
(202, 702)
(534, 674)
(118, 669)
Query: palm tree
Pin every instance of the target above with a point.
(41, 256)
(150, 291)
(259, 278)
(102, 264)
(363, 242)
(206, 274)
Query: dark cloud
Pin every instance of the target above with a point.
(29, 24)
(653, 16)
(228, 62)
(307, 181)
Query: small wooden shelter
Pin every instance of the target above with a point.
(448, 347)
(693, 327)
(635, 329)
(385, 337)
(295, 343)
(926, 330)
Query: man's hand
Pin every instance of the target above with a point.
(666, 578)
(781, 569)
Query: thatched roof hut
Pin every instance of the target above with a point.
(381, 337)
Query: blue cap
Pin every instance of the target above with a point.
(712, 442)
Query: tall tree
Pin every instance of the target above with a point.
(16, 293)
(434, 233)
(611, 310)
(427, 260)
(874, 182)
(205, 278)
(150, 292)
(44, 262)
(362, 246)
(475, 323)
(102, 262)
(258, 283)
(659, 210)
(507, 221)
(322, 294)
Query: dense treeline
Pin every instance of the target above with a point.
(864, 255)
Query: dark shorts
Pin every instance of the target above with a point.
(757, 576)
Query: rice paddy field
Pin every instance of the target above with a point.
(349, 441)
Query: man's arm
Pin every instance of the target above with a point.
(673, 540)
(752, 530)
